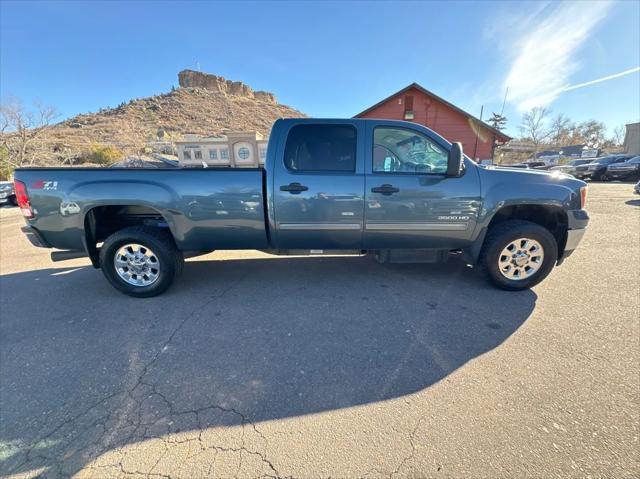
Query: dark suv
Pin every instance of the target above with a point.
(597, 169)
(628, 170)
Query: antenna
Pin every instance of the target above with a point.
(198, 65)
(504, 101)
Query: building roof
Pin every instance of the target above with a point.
(570, 150)
(420, 88)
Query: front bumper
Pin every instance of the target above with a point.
(577, 223)
(35, 237)
(573, 239)
(623, 174)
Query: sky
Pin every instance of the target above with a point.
(332, 59)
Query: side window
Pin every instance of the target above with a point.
(399, 150)
(321, 148)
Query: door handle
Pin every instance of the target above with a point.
(294, 188)
(385, 189)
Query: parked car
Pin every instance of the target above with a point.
(530, 164)
(570, 166)
(394, 189)
(627, 170)
(7, 193)
(597, 169)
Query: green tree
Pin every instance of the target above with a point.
(498, 121)
(6, 169)
(104, 155)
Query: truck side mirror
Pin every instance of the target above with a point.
(454, 162)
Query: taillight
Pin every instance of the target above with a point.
(583, 197)
(23, 199)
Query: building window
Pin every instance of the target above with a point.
(197, 154)
(186, 155)
(408, 107)
(321, 148)
(243, 153)
(224, 154)
(213, 154)
(263, 153)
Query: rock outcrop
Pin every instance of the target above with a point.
(194, 79)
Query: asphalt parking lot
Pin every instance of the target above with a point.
(254, 366)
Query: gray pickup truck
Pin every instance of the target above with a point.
(393, 189)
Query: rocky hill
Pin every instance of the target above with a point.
(204, 105)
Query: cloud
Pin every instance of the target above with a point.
(599, 80)
(544, 48)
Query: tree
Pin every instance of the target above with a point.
(593, 133)
(618, 135)
(104, 155)
(498, 121)
(561, 130)
(21, 128)
(534, 128)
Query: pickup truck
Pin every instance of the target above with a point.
(396, 190)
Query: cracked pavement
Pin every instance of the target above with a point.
(255, 366)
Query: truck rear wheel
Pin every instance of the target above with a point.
(141, 261)
(518, 254)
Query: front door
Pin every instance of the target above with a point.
(318, 187)
(409, 200)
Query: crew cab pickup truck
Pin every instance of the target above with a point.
(396, 190)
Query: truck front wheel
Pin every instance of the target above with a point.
(141, 261)
(518, 254)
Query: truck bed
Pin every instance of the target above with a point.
(205, 209)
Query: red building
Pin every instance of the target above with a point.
(415, 103)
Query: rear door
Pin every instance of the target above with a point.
(409, 201)
(319, 185)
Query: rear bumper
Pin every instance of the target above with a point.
(35, 237)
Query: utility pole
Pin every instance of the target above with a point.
(475, 148)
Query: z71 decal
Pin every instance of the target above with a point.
(45, 185)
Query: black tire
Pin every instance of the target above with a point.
(500, 236)
(160, 241)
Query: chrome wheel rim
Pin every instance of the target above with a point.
(521, 259)
(137, 265)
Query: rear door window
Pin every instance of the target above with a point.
(321, 148)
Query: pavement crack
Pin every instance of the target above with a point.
(414, 449)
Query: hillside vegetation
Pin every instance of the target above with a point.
(105, 136)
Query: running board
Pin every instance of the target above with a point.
(64, 255)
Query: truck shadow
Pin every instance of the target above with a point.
(86, 371)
